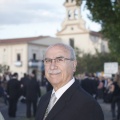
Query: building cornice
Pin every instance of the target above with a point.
(20, 40)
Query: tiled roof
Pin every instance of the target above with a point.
(20, 40)
(96, 33)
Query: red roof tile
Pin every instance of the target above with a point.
(20, 40)
(96, 33)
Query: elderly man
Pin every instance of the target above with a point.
(67, 100)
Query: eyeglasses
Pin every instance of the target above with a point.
(57, 60)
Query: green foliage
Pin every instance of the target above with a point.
(4, 68)
(107, 13)
(92, 63)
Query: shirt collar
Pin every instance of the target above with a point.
(60, 91)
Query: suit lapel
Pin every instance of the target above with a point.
(42, 107)
(62, 102)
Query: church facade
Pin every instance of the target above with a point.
(74, 32)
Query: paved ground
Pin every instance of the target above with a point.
(20, 115)
(21, 111)
(106, 110)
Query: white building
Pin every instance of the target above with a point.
(75, 33)
(24, 54)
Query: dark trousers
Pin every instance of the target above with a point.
(118, 112)
(12, 107)
(115, 103)
(113, 108)
(31, 104)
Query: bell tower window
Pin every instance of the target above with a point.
(76, 14)
(69, 14)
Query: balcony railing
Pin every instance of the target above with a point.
(18, 63)
(33, 63)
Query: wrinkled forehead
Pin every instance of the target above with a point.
(56, 49)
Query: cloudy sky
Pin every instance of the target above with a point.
(26, 18)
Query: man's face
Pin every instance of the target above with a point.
(59, 73)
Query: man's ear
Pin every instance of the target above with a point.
(74, 65)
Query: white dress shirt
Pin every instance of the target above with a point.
(60, 91)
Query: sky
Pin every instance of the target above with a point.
(29, 18)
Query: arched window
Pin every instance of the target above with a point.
(76, 14)
(69, 14)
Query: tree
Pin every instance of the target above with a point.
(107, 13)
(4, 68)
(92, 63)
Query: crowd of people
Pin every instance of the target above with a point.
(73, 93)
(27, 90)
(106, 88)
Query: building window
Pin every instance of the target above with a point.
(66, 0)
(18, 57)
(34, 56)
(76, 14)
(71, 41)
(69, 14)
(102, 48)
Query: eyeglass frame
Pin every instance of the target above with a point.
(55, 59)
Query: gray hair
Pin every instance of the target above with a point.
(67, 47)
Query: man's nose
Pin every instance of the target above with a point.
(53, 64)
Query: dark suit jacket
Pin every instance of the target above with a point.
(32, 90)
(89, 85)
(74, 104)
(13, 89)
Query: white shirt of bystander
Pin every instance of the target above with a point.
(1, 117)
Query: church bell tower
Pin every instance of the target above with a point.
(73, 30)
(73, 22)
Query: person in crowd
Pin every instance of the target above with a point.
(13, 92)
(67, 100)
(24, 80)
(1, 90)
(101, 87)
(32, 94)
(115, 89)
(3, 93)
(107, 93)
(42, 74)
(90, 85)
